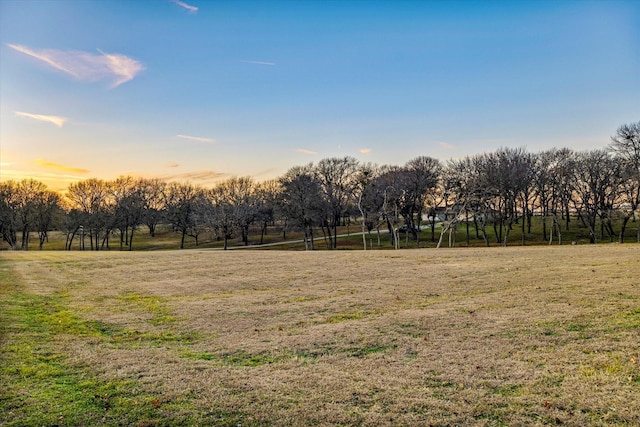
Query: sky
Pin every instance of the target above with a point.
(201, 91)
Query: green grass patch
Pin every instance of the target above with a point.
(242, 358)
(508, 390)
(369, 349)
(196, 355)
(577, 327)
(238, 358)
(343, 317)
(153, 305)
(40, 387)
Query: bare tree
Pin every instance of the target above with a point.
(371, 198)
(180, 201)
(128, 207)
(596, 181)
(235, 207)
(9, 212)
(625, 145)
(301, 201)
(390, 185)
(267, 194)
(90, 198)
(505, 176)
(151, 191)
(543, 181)
(365, 192)
(421, 178)
(29, 194)
(26, 206)
(245, 204)
(338, 180)
(71, 223)
(461, 184)
(47, 213)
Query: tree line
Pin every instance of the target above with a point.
(489, 194)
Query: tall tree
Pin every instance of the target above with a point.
(267, 194)
(47, 214)
(543, 184)
(625, 145)
(90, 198)
(27, 206)
(301, 201)
(29, 194)
(180, 201)
(338, 180)
(128, 207)
(596, 182)
(366, 201)
(390, 185)
(236, 206)
(421, 178)
(9, 212)
(461, 184)
(151, 191)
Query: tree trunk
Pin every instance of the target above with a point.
(25, 239)
(131, 240)
(467, 227)
(433, 227)
(313, 247)
(42, 237)
(262, 232)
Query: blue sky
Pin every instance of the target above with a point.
(204, 90)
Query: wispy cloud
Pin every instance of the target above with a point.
(260, 63)
(446, 145)
(56, 166)
(202, 177)
(113, 67)
(303, 151)
(197, 138)
(189, 7)
(56, 120)
(172, 165)
(365, 150)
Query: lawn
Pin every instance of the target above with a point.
(468, 336)
(166, 239)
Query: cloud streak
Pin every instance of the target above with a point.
(446, 145)
(365, 150)
(58, 167)
(197, 138)
(115, 68)
(260, 63)
(56, 120)
(190, 8)
(203, 176)
(303, 151)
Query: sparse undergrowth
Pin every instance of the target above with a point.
(518, 336)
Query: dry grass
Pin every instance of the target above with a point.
(499, 336)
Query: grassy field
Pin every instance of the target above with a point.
(468, 336)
